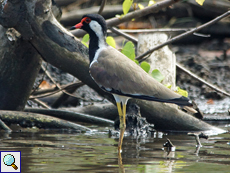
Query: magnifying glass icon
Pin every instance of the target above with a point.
(9, 160)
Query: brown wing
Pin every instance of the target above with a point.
(114, 71)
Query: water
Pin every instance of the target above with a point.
(65, 151)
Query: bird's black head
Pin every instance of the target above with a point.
(95, 25)
(92, 23)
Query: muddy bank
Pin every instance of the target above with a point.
(209, 60)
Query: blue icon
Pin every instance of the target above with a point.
(9, 160)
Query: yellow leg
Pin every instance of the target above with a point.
(122, 113)
(119, 108)
(121, 167)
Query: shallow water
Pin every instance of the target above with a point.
(65, 151)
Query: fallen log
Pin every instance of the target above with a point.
(70, 115)
(25, 119)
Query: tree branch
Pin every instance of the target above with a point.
(202, 80)
(135, 14)
(102, 6)
(4, 126)
(141, 57)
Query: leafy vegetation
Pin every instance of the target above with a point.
(128, 3)
(110, 41)
(129, 50)
(181, 92)
(126, 6)
(200, 2)
(145, 66)
(156, 74)
(85, 40)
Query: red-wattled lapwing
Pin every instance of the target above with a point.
(117, 74)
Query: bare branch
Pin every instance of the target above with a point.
(154, 30)
(202, 80)
(59, 87)
(141, 57)
(39, 102)
(127, 36)
(135, 14)
(4, 126)
(102, 6)
(51, 91)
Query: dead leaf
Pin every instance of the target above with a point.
(210, 102)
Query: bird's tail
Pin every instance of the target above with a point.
(181, 101)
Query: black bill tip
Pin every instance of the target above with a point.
(72, 28)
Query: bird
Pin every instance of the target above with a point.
(117, 74)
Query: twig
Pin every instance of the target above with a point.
(202, 80)
(196, 138)
(198, 135)
(102, 6)
(127, 36)
(42, 78)
(59, 87)
(55, 89)
(141, 57)
(49, 76)
(4, 126)
(154, 30)
(40, 103)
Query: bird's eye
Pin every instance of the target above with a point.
(87, 20)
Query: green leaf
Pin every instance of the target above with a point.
(137, 62)
(156, 74)
(129, 50)
(110, 40)
(145, 66)
(141, 6)
(181, 92)
(151, 2)
(168, 86)
(85, 40)
(126, 6)
(200, 2)
(119, 16)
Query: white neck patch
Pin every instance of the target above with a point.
(96, 27)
